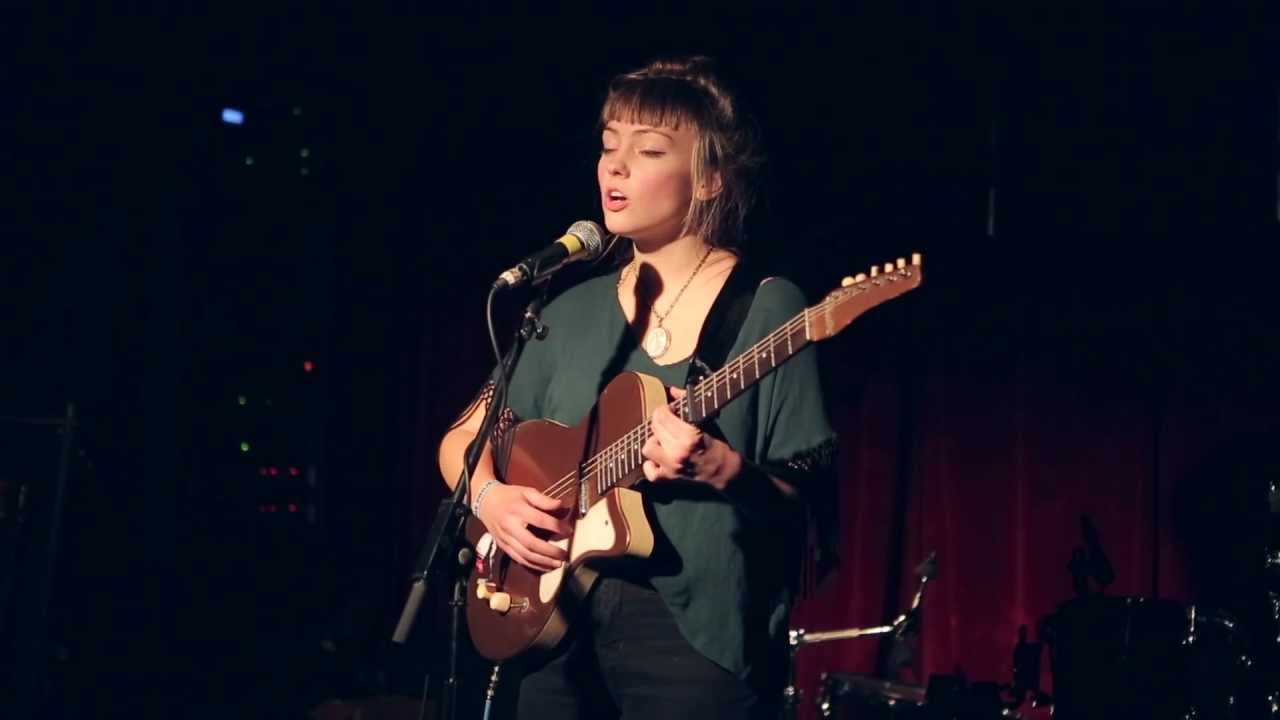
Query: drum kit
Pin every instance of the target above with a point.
(1110, 657)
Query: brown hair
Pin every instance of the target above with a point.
(670, 93)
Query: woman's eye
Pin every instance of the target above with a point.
(652, 153)
(606, 150)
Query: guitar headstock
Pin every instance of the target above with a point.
(860, 293)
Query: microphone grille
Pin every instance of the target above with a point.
(591, 236)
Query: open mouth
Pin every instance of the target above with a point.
(615, 200)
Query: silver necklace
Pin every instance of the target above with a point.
(657, 339)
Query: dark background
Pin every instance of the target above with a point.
(1094, 191)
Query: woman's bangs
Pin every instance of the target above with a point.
(651, 102)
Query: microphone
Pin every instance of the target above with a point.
(582, 241)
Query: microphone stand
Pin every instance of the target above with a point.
(444, 552)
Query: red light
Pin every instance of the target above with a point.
(274, 471)
(308, 366)
(262, 471)
(271, 508)
(294, 472)
(293, 508)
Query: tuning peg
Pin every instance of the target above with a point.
(500, 602)
(860, 277)
(503, 603)
(916, 259)
(888, 267)
(875, 271)
(846, 281)
(902, 262)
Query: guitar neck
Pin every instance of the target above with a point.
(716, 390)
(619, 464)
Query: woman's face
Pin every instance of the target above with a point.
(646, 180)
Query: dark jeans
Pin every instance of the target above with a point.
(625, 657)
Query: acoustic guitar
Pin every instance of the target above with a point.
(596, 463)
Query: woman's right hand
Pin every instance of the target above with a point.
(509, 511)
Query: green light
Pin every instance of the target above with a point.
(242, 400)
(244, 447)
(248, 160)
(305, 152)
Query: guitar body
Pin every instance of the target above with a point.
(548, 456)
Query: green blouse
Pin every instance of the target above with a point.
(725, 567)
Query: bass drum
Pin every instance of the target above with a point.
(1131, 657)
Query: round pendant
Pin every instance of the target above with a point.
(656, 341)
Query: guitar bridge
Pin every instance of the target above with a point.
(582, 496)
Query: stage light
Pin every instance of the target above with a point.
(248, 160)
(293, 508)
(244, 447)
(274, 471)
(308, 366)
(242, 400)
(294, 472)
(304, 152)
(262, 471)
(232, 116)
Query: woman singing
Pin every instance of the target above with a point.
(698, 629)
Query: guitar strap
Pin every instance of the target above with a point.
(724, 321)
(719, 332)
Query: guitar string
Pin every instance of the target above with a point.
(630, 442)
(631, 439)
(709, 386)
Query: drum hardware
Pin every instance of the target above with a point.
(904, 623)
(1026, 673)
(947, 697)
(1123, 657)
(887, 698)
(951, 696)
(1090, 562)
(1275, 614)
(1270, 652)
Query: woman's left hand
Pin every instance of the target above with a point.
(679, 451)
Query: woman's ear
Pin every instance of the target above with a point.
(711, 187)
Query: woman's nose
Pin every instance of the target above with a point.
(615, 166)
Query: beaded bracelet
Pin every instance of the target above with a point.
(475, 504)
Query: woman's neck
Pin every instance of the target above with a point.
(675, 259)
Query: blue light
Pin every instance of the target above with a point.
(232, 116)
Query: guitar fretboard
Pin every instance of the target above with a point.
(619, 463)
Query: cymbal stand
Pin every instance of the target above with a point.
(799, 638)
